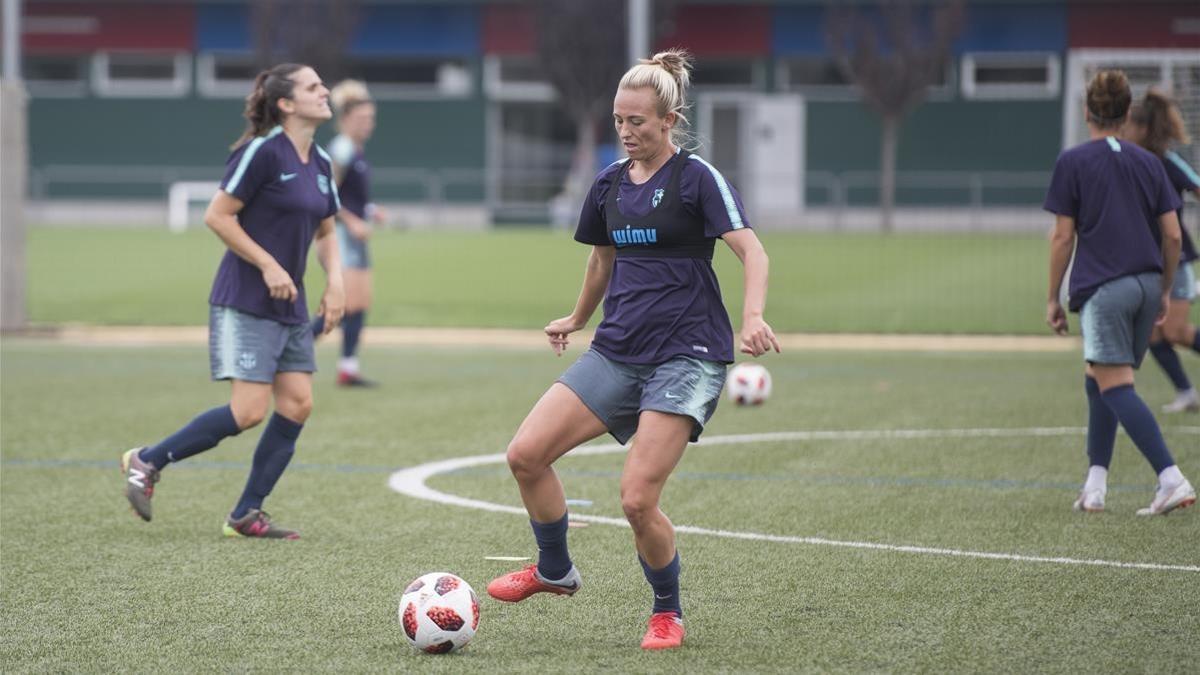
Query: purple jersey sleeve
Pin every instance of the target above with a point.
(248, 169)
(335, 202)
(1182, 175)
(1062, 197)
(718, 201)
(1167, 199)
(593, 227)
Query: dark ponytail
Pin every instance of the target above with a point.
(1161, 121)
(262, 111)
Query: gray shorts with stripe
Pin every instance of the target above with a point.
(618, 392)
(245, 347)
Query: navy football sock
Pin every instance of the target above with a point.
(1164, 353)
(352, 325)
(271, 457)
(665, 583)
(1196, 342)
(204, 432)
(1139, 423)
(318, 325)
(553, 560)
(1102, 426)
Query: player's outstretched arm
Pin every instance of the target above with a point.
(757, 338)
(333, 301)
(1062, 243)
(595, 284)
(221, 218)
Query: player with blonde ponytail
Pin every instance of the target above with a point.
(656, 366)
(355, 111)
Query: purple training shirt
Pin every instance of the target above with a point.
(285, 201)
(1115, 191)
(663, 299)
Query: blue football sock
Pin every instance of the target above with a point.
(1164, 353)
(665, 583)
(271, 457)
(352, 325)
(1102, 426)
(1196, 342)
(553, 560)
(318, 325)
(204, 432)
(1140, 424)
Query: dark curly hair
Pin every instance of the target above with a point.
(1161, 121)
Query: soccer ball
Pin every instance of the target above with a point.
(439, 613)
(748, 384)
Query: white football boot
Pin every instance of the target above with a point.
(1165, 501)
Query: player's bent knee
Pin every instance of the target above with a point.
(1178, 335)
(638, 506)
(523, 459)
(295, 409)
(248, 416)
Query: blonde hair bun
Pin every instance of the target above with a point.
(348, 92)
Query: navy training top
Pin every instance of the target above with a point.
(663, 299)
(354, 190)
(1184, 178)
(1115, 191)
(285, 201)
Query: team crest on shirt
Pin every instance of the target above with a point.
(658, 195)
(323, 184)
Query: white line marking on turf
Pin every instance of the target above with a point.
(411, 482)
(506, 558)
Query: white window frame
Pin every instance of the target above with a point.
(992, 91)
(450, 85)
(57, 88)
(846, 92)
(207, 83)
(497, 89)
(758, 77)
(177, 87)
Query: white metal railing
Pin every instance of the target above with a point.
(527, 193)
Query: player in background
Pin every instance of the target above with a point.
(1153, 124)
(1108, 196)
(278, 192)
(657, 363)
(356, 122)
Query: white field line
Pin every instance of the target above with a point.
(411, 482)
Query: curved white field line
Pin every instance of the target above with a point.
(411, 482)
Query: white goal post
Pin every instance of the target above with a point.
(180, 196)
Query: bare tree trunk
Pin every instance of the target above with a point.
(887, 172)
(579, 178)
(583, 163)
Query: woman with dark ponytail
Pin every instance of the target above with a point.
(1113, 205)
(1154, 124)
(277, 195)
(657, 363)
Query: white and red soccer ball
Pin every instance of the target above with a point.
(439, 613)
(748, 384)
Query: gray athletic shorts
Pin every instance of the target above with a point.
(618, 392)
(245, 347)
(1117, 320)
(1185, 283)
(352, 249)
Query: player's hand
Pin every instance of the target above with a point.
(1056, 317)
(758, 338)
(279, 283)
(558, 330)
(1161, 318)
(332, 307)
(359, 230)
(380, 215)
